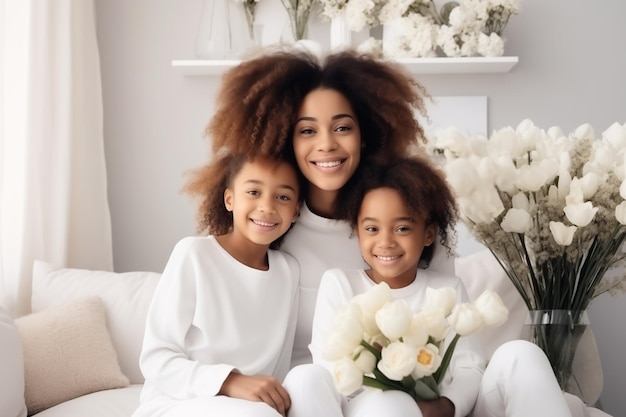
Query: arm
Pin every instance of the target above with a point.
(165, 358)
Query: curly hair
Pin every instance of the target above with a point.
(210, 181)
(259, 100)
(424, 190)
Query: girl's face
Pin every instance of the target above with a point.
(391, 237)
(263, 198)
(327, 140)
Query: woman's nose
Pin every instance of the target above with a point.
(326, 141)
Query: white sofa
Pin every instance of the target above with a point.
(111, 359)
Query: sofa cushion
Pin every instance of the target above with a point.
(120, 402)
(12, 368)
(67, 353)
(126, 297)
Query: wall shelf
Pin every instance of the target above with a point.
(443, 65)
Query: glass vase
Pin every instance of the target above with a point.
(567, 339)
(224, 31)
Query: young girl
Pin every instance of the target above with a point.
(221, 325)
(336, 114)
(399, 210)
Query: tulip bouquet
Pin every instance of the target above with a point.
(380, 343)
(549, 206)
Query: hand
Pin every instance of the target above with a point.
(441, 407)
(261, 388)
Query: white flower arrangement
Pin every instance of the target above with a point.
(550, 207)
(381, 343)
(464, 28)
(359, 13)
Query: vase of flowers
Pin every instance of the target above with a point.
(550, 207)
(380, 343)
(458, 28)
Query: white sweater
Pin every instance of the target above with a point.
(319, 244)
(211, 314)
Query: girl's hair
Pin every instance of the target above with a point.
(209, 182)
(259, 100)
(423, 188)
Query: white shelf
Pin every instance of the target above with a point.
(443, 65)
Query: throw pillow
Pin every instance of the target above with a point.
(67, 353)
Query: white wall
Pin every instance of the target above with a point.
(571, 71)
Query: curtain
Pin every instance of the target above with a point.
(53, 196)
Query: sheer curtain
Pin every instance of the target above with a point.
(53, 196)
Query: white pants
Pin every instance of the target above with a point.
(518, 382)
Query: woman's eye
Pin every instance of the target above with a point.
(370, 229)
(343, 128)
(253, 192)
(283, 197)
(306, 131)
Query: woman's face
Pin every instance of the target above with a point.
(327, 140)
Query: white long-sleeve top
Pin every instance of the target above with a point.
(319, 244)
(211, 315)
(338, 287)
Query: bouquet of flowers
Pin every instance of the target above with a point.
(380, 343)
(551, 208)
(458, 28)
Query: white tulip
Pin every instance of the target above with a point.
(364, 360)
(428, 361)
(620, 212)
(394, 319)
(397, 360)
(555, 132)
(531, 177)
(562, 234)
(452, 139)
(585, 131)
(346, 335)
(575, 195)
(435, 322)
(417, 334)
(370, 302)
(483, 205)
(507, 142)
(507, 174)
(564, 183)
(616, 136)
(465, 319)
(520, 201)
(492, 308)
(462, 176)
(580, 214)
(590, 182)
(347, 376)
(516, 221)
(444, 298)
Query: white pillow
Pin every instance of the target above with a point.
(126, 297)
(12, 368)
(67, 353)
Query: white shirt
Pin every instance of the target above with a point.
(212, 314)
(338, 287)
(320, 244)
